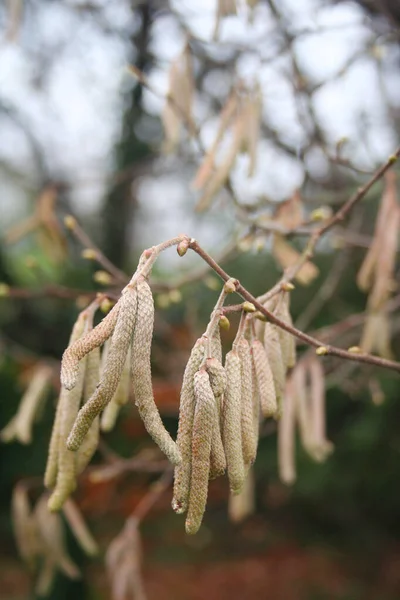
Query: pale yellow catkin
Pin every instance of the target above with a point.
(264, 380)
(249, 434)
(288, 341)
(51, 531)
(25, 530)
(141, 374)
(89, 445)
(184, 438)
(121, 339)
(31, 403)
(272, 347)
(61, 462)
(79, 528)
(201, 450)
(286, 438)
(217, 457)
(232, 423)
(121, 397)
(217, 375)
(77, 350)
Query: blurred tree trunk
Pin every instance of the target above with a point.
(120, 203)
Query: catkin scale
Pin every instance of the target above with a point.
(184, 437)
(77, 350)
(141, 374)
(120, 342)
(232, 423)
(264, 380)
(249, 434)
(201, 449)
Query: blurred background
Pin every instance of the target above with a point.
(79, 134)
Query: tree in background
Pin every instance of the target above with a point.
(271, 149)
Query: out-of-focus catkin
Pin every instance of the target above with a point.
(272, 347)
(201, 449)
(184, 439)
(286, 437)
(141, 374)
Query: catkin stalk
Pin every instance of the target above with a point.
(141, 374)
(201, 449)
(232, 423)
(184, 438)
(104, 392)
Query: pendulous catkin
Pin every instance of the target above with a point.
(141, 374)
(77, 350)
(272, 347)
(120, 342)
(61, 463)
(232, 423)
(121, 397)
(184, 439)
(286, 437)
(249, 428)
(288, 342)
(201, 450)
(264, 380)
(217, 457)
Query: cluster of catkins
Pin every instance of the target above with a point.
(40, 538)
(221, 407)
(102, 385)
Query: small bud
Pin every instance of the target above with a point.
(230, 286)
(89, 254)
(102, 277)
(321, 214)
(224, 323)
(287, 286)
(4, 290)
(212, 283)
(183, 247)
(392, 159)
(70, 222)
(248, 307)
(355, 350)
(175, 296)
(321, 351)
(258, 315)
(106, 305)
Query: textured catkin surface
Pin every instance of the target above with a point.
(141, 374)
(217, 457)
(60, 468)
(184, 438)
(217, 376)
(264, 380)
(78, 349)
(272, 347)
(249, 433)
(232, 423)
(121, 339)
(201, 449)
(66, 465)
